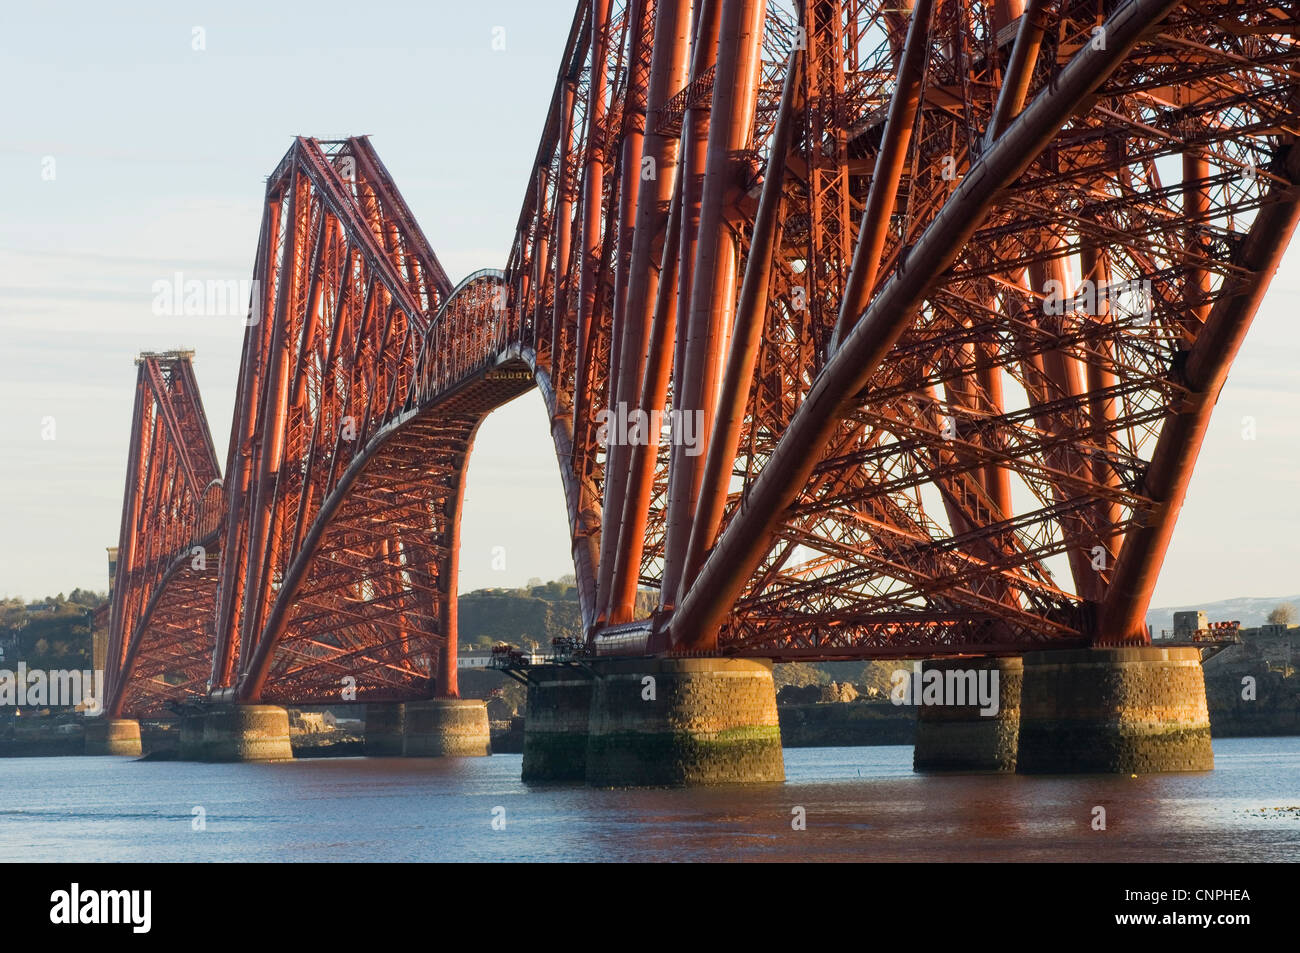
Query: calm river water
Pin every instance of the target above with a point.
(859, 804)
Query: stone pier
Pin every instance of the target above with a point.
(969, 737)
(446, 727)
(555, 729)
(235, 733)
(189, 736)
(683, 721)
(113, 736)
(1137, 710)
(384, 729)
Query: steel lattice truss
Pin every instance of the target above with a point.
(159, 629)
(361, 393)
(954, 288)
(947, 292)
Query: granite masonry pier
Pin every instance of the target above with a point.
(653, 722)
(1137, 710)
(446, 728)
(113, 736)
(683, 721)
(384, 728)
(969, 737)
(189, 736)
(555, 729)
(235, 733)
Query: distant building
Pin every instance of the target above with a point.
(1195, 626)
(1186, 623)
(1274, 642)
(1270, 642)
(311, 722)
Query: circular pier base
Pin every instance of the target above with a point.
(683, 721)
(446, 728)
(555, 725)
(245, 733)
(976, 726)
(1138, 710)
(113, 736)
(384, 730)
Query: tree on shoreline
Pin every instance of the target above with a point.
(1283, 614)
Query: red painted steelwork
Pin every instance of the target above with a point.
(951, 291)
(158, 645)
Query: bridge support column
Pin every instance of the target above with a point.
(557, 714)
(683, 721)
(446, 727)
(189, 738)
(1136, 710)
(982, 736)
(113, 736)
(384, 730)
(246, 733)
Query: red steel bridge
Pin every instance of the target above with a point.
(950, 289)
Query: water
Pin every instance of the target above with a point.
(860, 803)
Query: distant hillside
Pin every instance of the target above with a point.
(518, 616)
(1248, 611)
(53, 633)
(532, 614)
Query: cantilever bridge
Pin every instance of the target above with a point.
(952, 287)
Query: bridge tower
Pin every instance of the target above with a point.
(163, 570)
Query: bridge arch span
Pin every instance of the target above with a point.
(341, 581)
(372, 592)
(169, 654)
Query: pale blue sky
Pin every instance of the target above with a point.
(160, 154)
